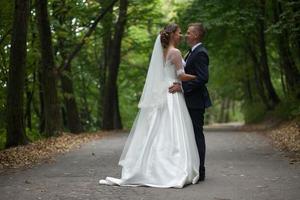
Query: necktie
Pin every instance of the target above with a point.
(188, 54)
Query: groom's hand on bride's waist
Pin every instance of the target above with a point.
(176, 87)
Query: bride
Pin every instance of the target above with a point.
(161, 150)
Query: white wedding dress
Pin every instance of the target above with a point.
(161, 150)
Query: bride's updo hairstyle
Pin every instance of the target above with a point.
(165, 34)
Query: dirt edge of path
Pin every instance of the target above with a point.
(284, 135)
(45, 150)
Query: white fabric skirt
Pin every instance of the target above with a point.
(161, 150)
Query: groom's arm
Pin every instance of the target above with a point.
(201, 72)
(176, 87)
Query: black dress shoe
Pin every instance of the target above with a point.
(202, 176)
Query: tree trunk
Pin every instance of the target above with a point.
(257, 76)
(85, 111)
(28, 109)
(15, 90)
(248, 89)
(283, 81)
(287, 62)
(107, 24)
(72, 114)
(29, 98)
(42, 104)
(49, 72)
(111, 115)
(265, 72)
(64, 116)
(247, 84)
(102, 78)
(73, 119)
(117, 115)
(31, 90)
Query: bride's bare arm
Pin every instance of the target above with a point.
(176, 59)
(185, 77)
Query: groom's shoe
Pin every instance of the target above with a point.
(202, 174)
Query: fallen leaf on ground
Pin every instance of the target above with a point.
(44, 150)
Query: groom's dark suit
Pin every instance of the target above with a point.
(196, 95)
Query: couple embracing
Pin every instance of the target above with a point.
(166, 145)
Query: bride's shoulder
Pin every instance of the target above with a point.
(174, 52)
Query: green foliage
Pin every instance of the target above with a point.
(33, 134)
(6, 15)
(144, 23)
(231, 26)
(254, 112)
(288, 109)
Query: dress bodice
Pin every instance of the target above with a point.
(170, 70)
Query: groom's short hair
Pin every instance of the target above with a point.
(199, 28)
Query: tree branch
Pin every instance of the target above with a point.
(93, 26)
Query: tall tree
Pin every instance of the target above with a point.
(49, 72)
(294, 7)
(111, 113)
(264, 66)
(287, 63)
(15, 91)
(67, 84)
(257, 75)
(107, 24)
(72, 114)
(41, 111)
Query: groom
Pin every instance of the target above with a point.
(195, 92)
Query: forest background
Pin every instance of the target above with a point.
(80, 65)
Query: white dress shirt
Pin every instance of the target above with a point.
(193, 48)
(184, 63)
(196, 45)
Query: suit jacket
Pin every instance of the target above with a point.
(195, 91)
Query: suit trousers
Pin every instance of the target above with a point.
(197, 116)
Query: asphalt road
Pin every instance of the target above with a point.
(240, 166)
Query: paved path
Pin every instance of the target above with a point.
(240, 166)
